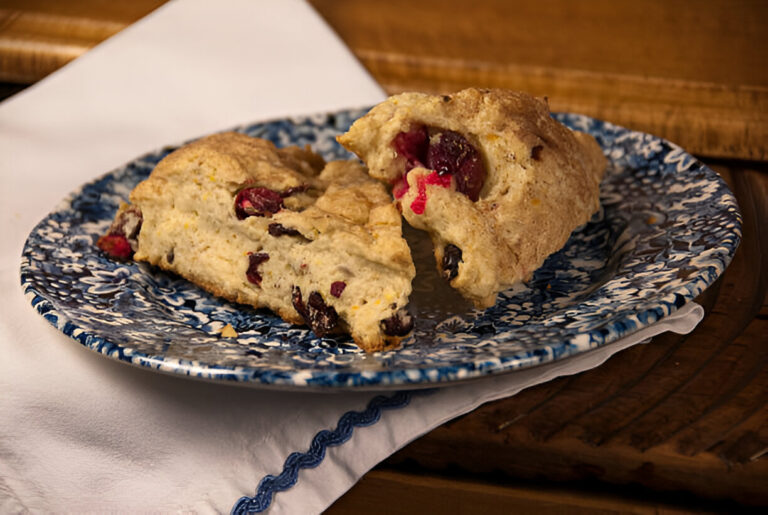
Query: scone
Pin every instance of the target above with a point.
(495, 180)
(319, 244)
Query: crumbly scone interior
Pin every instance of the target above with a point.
(541, 181)
(337, 234)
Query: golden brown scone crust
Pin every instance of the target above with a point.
(346, 230)
(542, 181)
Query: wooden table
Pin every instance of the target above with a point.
(678, 425)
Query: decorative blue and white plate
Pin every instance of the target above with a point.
(667, 229)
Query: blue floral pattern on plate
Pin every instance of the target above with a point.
(668, 227)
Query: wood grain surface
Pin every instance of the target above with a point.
(695, 73)
(678, 425)
(37, 37)
(389, 493)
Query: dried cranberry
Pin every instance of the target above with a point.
(536, 152)
(398, 324)
(257, 202)
(116, 246)
(322, 317)
(451, 258)
(120, 240)
(254, 260)
(337, 288)
(450, 153)
(319, 316)
(281, 230)
(445, 151)
(412, 145)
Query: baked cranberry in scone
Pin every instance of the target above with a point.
(495, 180)
(320, 244)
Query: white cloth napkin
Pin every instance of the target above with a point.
(81, 433)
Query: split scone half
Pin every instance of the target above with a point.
(495, 180)
(319, 244)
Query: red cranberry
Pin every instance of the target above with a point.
(398, 324)
(323, 318)
(337, 288)
(116, 246)
(445, 151)
(319, 316)
(412, 145)
(121, 238)
(451, 258)
(257, 202)
(254, 260)
(450, 153)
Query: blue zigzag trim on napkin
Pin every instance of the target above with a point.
(270, 485)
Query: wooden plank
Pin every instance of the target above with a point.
(655, 66)
(389, 492)
(698, 77)
(718, 41)
(38, 37)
